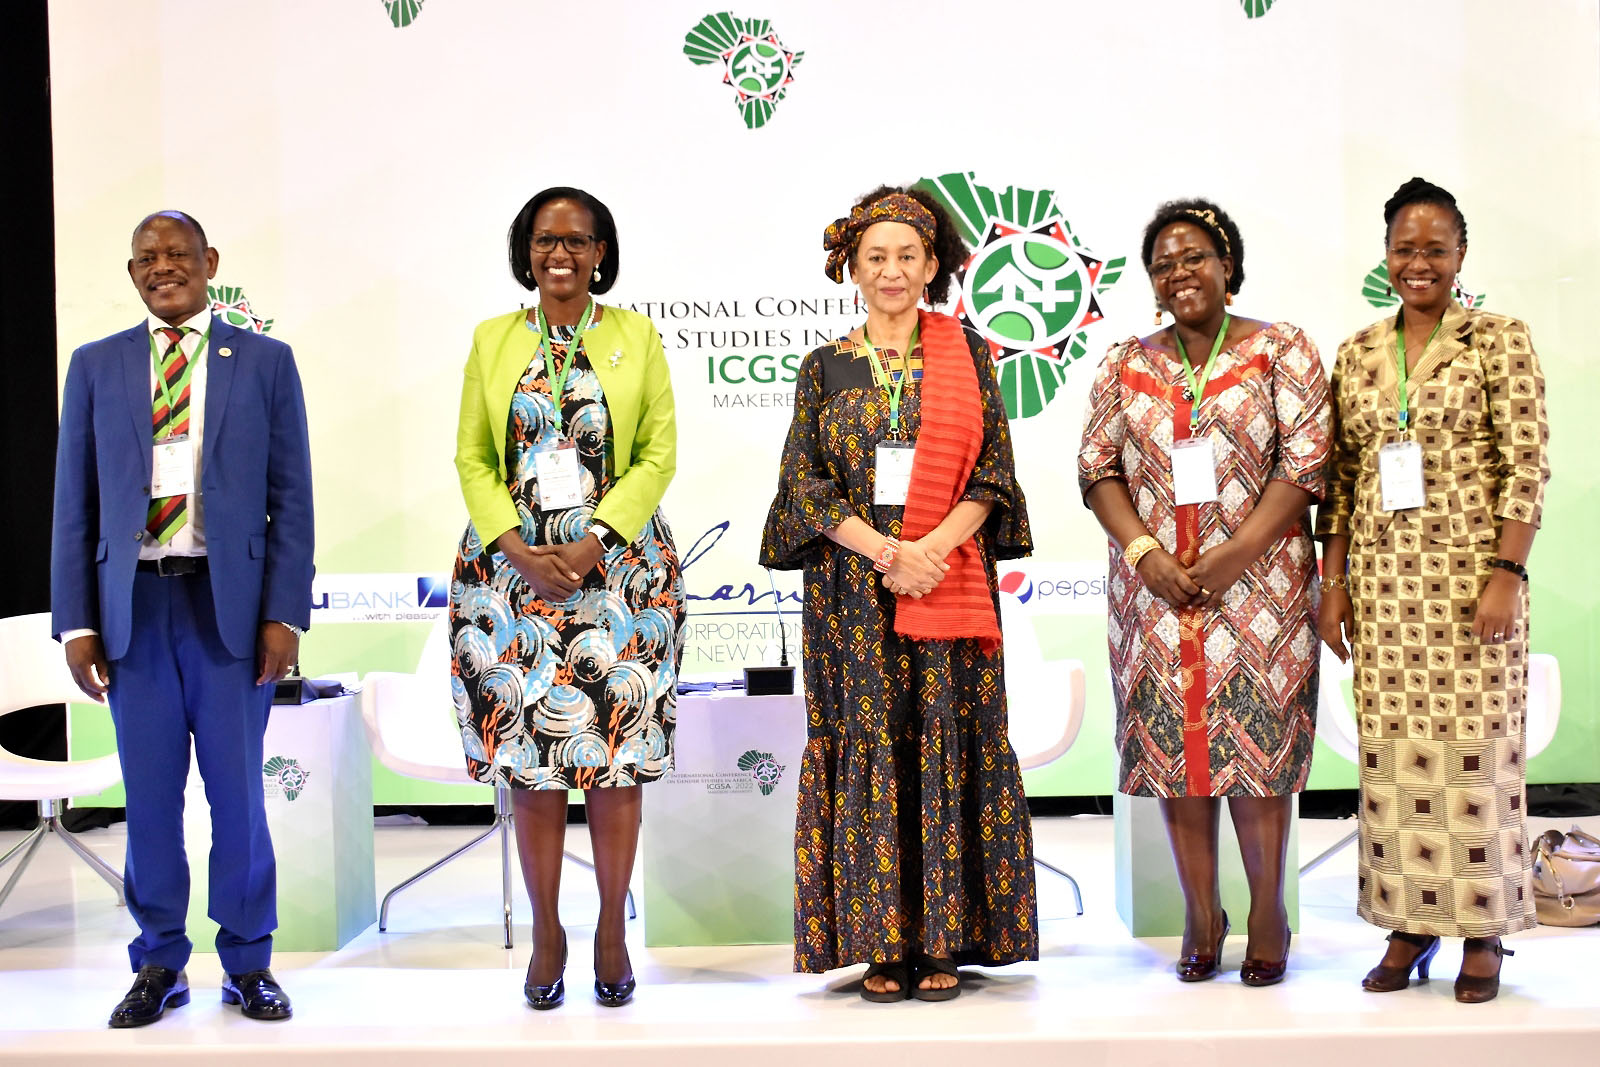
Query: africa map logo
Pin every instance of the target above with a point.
(754, 61)
(1030, 288)
(287, 775)
(1379, 291)
(403, 12)
(766, 771)
(230, 303)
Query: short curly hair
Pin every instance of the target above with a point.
(1420, 191)
(1224, 233)
(605, 229)
(948, 247)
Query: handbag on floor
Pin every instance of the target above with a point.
(1566, 878)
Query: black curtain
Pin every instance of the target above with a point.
(28, 349)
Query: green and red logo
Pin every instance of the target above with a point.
(763, 769)
(230, 303)
(403, 12)
(1379, 291)
(287, 775)
(755, 64)
(1030, 289)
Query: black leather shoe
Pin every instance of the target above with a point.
(615, 994)
(154, 991)
(258, 995)
(545, 997)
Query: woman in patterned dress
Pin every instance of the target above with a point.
(913, 847)
(1212, 572)
(567, 606)
(1435, 606)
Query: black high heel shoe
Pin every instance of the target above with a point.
(1198, 966)
(614, 994)
(1385, 979)
(545, 997)
(1471, 989)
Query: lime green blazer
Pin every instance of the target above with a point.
(625, 351)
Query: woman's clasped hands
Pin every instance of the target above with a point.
(916, 570)
(1200, 585)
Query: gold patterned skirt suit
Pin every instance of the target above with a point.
(1444, 844)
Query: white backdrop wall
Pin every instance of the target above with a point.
(357, 165)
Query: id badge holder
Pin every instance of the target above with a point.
(172, 467)
(892, 479)
(558, 476)
(1194, 471)
(1400, 484)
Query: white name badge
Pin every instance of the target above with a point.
(1400, 483)
(558, 476)
(172, 467)
(892, 481)
(1194, 471)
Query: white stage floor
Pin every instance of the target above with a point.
(439, 989)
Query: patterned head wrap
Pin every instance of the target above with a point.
(842, 235)
(1209, 217)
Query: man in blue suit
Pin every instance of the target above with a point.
(180, 584)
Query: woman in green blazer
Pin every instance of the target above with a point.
(567, 604)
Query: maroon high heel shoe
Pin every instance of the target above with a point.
(1470, 989)
(1198, 966)
(1382, 979)
(1266, 972)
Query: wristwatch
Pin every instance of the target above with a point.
(605, 535)
(291, 627)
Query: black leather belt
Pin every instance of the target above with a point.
(174, 566)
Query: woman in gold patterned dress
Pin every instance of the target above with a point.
(1435, 492)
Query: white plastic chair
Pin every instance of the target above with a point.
(33, 671)
(1052, 692)
(411, 725)
(1336, 723)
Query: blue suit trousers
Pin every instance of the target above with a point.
(177, 681)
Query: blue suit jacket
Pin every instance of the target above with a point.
(255, 476)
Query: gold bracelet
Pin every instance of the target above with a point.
(1331, 580)
(1137, 549)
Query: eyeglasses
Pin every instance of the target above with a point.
(1190, 261)
(1434, 256)
(576, 243)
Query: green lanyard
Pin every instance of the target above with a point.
(559, 380)
(1400, 363)
(905, 372)
(1198, 386)
(161, 378)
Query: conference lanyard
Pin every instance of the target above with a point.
(161, 378)
(1400, 363)
(905, 372)
(1198, 386)
(559, 379)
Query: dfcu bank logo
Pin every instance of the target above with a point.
(230, 303)
(1030, 288)
(755, 65)
(1379, 290)
(379, 597)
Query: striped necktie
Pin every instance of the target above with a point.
(168, 514)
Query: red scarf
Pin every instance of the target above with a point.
(961, 605)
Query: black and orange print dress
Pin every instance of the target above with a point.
(912, 831)
(580, 693)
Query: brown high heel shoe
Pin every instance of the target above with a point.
(1471, 989)
(1382, 979)
(1266, 972)
(1198, 966)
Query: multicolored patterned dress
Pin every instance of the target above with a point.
(580, 693)
(1214, 702)
(912, 831)
(1444, 838)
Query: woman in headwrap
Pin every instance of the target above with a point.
(896, 495)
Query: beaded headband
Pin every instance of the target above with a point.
(1209, 217)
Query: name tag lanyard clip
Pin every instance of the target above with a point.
(880, 367)
(558, 379)
(1197, 386)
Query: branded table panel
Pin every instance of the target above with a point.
(317, 775)
(718, 835)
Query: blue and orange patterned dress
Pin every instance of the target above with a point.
(575, 694)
